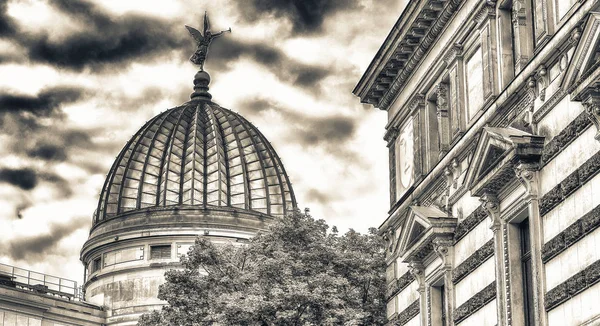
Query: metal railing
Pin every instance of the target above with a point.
(41, 282)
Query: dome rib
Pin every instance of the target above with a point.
(197, 154)
(139, 149)
(264, 174)
(242, 160)
(103, 204)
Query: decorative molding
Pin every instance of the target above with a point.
(549, 105)
(566, 136)
(407, 314)
(570, 184)
(400, 284)
(469, 223)
(477, 302)
(568, 237)
(507, 284)
(573, 286)
(470, 264)
(392, 168)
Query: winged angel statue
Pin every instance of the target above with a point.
(203, 40)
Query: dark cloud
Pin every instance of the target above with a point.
(306, 130)
(28, 178)
(228, 50)
(48, 152)
(24, 178)
(332, 129)
(104, 41)
(45, 103)
(306, 16)
(38, 246)
(7, 25)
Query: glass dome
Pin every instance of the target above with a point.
(197, 154)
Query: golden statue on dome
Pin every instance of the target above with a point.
(203, 40)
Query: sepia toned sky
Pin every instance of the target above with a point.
(78, 78)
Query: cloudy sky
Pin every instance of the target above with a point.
(78, 78)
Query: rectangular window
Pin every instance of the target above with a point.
(527, 272)
(96, 265)
(437, 300)
(160, 252)
(123, 255)
(474, 83)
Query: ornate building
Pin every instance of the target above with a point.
(494, 150)
(196, 169)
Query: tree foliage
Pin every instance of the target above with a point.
(297, 273)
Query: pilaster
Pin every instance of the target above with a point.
(444, 248)
(528, 175)
(418, 271)
(491, 206)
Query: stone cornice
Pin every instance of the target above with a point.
(419, 54)
(405, 47)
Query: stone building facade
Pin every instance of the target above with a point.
(494, 153)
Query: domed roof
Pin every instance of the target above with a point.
(197, 154)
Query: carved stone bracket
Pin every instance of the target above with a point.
(591, 101)
(418, 272)
(454, 53)
(491, 205)
(443, 248)
(526, 173)
(487, 11)
(416, 102)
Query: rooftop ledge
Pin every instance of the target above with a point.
(413, 34)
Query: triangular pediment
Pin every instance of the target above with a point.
(419, 224)
(584, 66)
(496, 149)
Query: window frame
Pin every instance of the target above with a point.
(160, 245)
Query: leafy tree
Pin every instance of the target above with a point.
(297, 273)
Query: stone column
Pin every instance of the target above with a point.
(491, 205)
(528, 176)
(444, 248)
(418, 271)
